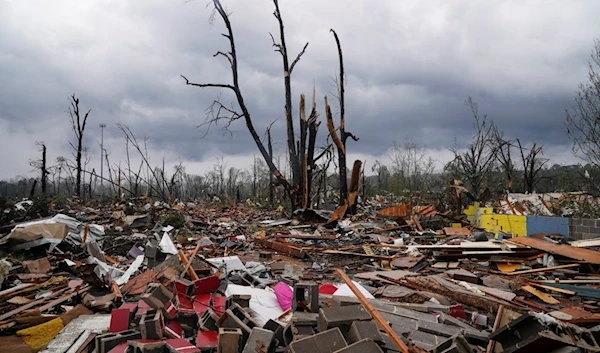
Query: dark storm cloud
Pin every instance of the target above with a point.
(410, 66)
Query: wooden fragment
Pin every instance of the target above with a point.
(337, 252)
(186, 263)
(490, 347)
(508, 268)
(559, 290)
(546, 298)
(374, 313)
(191, 259)
(544, 269)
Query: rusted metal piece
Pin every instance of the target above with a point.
(586, 255)
(462, 231)
(374, 313)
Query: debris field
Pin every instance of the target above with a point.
(141, 276)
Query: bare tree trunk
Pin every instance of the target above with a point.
(78, 126)
(271, 181)
(44, 170)
(340, 141)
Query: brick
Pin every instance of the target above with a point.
(229, 340)
(206, 285)
(242, 300)
(306, 294)
(108, 341)
(363, 346)
(360, 330)
(260, 341)
(208, 321)
(152, 325)
(119, 320)
(341, 317)
(328, 341)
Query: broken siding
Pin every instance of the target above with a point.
(547, 225)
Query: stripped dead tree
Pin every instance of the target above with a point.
(218, 112)
(340, 140)
(78, 124)
(532, 165)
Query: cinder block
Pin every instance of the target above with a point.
(300, 318)
(147, 346)
(108, 341)
(208, 321)
(341, 317)
(157, 296)
(344, 301)
(242, 300)
(184, 286)
(230, 340)
(152, 325)
(219, 304)
(173, 329)
(360, 330)
(306, 295)
(119, 320)
(277, 329)
(230, 320)
(206, 285)
(260, 340)
(180, 345)
(328, 341)
(252, 281)
(363, 346)
(207, 340)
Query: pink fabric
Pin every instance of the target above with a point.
(327, 288)
(285, 295)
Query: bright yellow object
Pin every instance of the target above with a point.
(37, 337)
(485, 218)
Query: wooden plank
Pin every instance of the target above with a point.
(30, 305)
(374, 313)
(546, 298)
(544, 269)
(187, 264)
(492, 343)
(507, 268)
(15, 289)
(337, 252)
(581, 254)
(559, 290)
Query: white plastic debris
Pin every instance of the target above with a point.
(345, 291)
(230, 263)
(263, 302)
(166, 245)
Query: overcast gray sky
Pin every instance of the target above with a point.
(410, 65)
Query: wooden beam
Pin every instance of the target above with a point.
(374, 313)
(192, 256)
(186, 263)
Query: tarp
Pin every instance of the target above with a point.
(285, 295)
(52, 231)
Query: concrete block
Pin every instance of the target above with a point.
(180, 345)
(207, 340)
(328, 341)
(157, 296)
(208, 321)
(206, 285)
(341, 317)
(243, 315)
(300, 318)
(264, 256)
(344, 301)
(230, 320)
(152, 325)
(119, 320)
(277, 328)
(242, 300)
(184, 286)
(306, 295)
(219, 304)
(360, 330)
(173, 329)
(454, 344)
(363, 346)
(230, 340)
(438, 329)
(108, 341)
(260, 341)
(147, 346)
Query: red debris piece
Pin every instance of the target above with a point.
(119, 320)
(206, 285)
